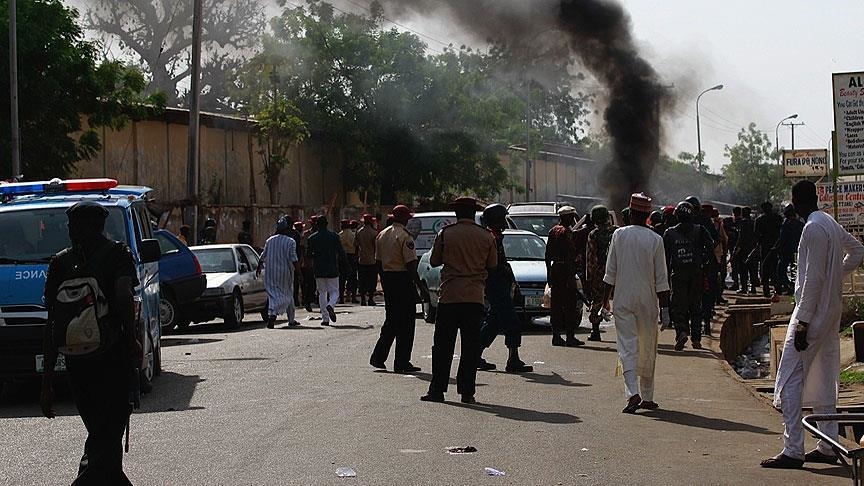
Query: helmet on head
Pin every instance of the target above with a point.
(694, 202)
(282, 224)
(656, 217)
(494, 216)
(566, 211)
(599, 214)
(684, 212)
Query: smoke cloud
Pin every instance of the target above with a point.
(598, 33)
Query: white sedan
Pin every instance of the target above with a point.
(233, 288)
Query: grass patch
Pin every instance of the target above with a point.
(846, 331)
(851, 377)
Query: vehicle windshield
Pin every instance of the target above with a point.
(216, 260)
(35, 235)
(539, 225)
(532, 208)
(524, 247)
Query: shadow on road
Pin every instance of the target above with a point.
(832, 471)
(352, 326)
(171, 392)
(427, 377)
(520, 414)
(179, 341)
(553, 379)
(691, 420)
(669, 350)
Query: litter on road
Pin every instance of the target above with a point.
(494, 472)
(346, 472)
(461, 450)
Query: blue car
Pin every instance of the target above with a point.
(181, 280)
(33, 227)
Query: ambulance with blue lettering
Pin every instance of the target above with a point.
(33, 227)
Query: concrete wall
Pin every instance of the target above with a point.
(556, 170)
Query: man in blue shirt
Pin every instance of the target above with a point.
(325, 250)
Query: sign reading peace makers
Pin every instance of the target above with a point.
(805, 163)
(849, 121)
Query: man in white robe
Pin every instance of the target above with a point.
(636, 271)
(810, 364)
(280, 256)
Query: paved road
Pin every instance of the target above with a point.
(290, 406)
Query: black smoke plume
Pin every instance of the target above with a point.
(598, 34)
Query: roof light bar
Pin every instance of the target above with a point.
(55, 186)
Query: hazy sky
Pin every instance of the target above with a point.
(774, 57)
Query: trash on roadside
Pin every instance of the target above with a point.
(345, 472)
(584, 449)
(539, 362)
(313, 318)
(412, 451)
(462, 450)
(494, 472)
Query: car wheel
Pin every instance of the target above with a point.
(234, 313)
(429, 312)
(168, 313)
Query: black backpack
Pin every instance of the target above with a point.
(80, 318)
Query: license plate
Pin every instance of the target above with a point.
(533, 301)
(40, 363)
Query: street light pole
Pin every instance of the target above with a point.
(777, 137)
(13, 89)
(793, 125)
(698, 130)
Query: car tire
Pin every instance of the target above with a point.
(429, 312)
(234, 313)
(169, 313)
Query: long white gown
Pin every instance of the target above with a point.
(280, 253)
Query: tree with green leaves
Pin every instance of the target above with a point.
(60, 86)
(752, 174)
(279, 128)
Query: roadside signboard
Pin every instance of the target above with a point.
(805, 163)
(850, 202)
(848, 91)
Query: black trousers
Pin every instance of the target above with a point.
(501, 316)
(101, 393)
(453, 318)
(768, 273)
(566, 307)
(309, 287)
(400, 311)
(368, 279)
(685, 307)
(348, 278)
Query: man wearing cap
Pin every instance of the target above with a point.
(348, 277)
(595, 264)
(745, 253)
(326, 252)
(100, 383)
(364, 248)
(468, 253)
(280, 258)
(561, 267)
(636, 272)
(397, 262)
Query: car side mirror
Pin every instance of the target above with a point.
(149, 251)
(244, 268)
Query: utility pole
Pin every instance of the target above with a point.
(793, 125)
(191, 216)
(13, 88)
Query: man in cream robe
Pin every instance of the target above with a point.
(810, 364)
(636, 270)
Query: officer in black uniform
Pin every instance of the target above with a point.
(501, 314)
(685, 245)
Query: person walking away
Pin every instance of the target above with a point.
(636, 273)
(731, 228)
(744, 250)
(367, 270)
(102, 373)
(710, 268)
(767, 230)
(809, 367)
(501, 315)
(720, 252)
(684, 245)
(280, 259)
(185, 235)
(468, 253)
(244, 237)
(561, 266)
(595, 264)
(326, 253)
(655, 221)
(348, 279)
(397, 262)
(787, 245)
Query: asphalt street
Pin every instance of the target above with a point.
(291, 405)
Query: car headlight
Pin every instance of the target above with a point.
(213, 292)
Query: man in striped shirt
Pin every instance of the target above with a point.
(280, 256)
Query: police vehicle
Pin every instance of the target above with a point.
(33, 227)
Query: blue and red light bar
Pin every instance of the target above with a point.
(55, 186)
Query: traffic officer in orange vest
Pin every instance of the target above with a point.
(397, 263)
(468, 252)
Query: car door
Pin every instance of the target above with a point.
(257, 292)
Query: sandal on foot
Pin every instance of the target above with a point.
(782, 461)
(632, 404)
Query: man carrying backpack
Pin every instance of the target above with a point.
(91, 320)
(686, 244)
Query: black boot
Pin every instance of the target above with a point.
(557, 340)
(484, 365)
(515, 365)
(271, 322)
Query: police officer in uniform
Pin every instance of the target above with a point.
(397, 263)
(562, 261)
(501, 315)
(685, 245)
(468, 253)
